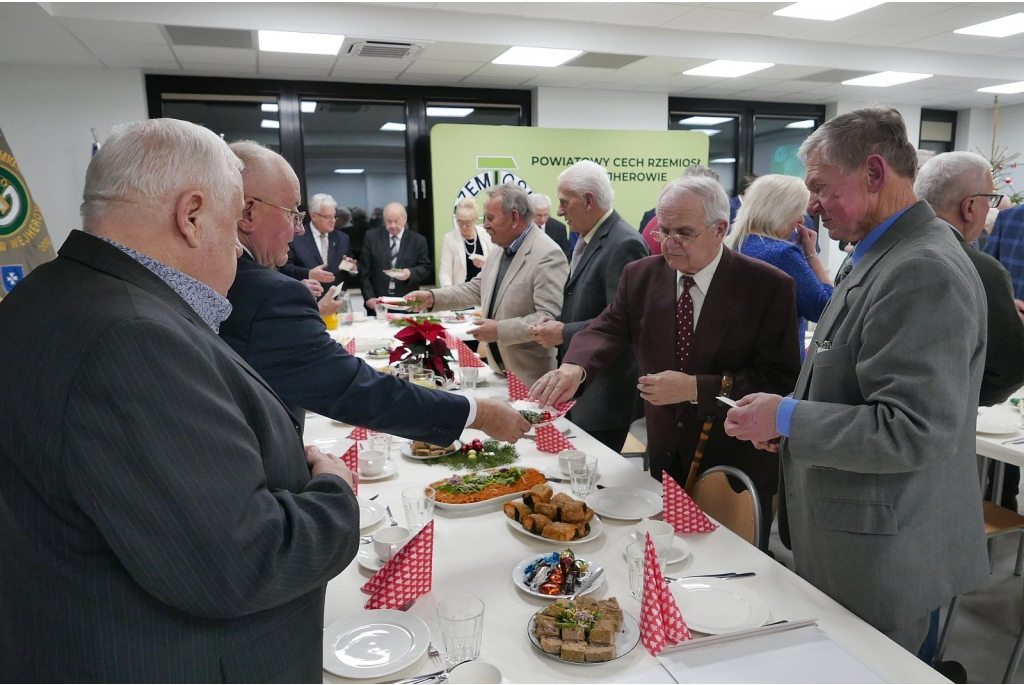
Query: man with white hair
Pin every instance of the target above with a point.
(553, 227)
(606, 244)
(703, 321)
(160, 519)
(321, 253)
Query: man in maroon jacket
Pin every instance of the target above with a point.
(694, 315)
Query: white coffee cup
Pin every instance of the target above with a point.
(387, 541)
(662, 535)
(474, 672)
(565, 457)
(371, 462)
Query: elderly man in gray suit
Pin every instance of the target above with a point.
(880, 491)
(606, 244)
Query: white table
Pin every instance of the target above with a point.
(475, 554)
(995, 447)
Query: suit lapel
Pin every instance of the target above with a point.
(595, 244)
(713, 323)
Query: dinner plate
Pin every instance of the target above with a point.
(390, 469)
(519, 576)
(369, 513)
(626, 504)
(396, 303)
(715, 606)
(680, 550)
(405, 449)
(368, 559)
(561, 424)
(595, 531)
(373, 644)
(626, 641)
(988, 426)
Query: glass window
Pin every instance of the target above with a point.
(723, 137)
(355, 152)
(462, 113)
(245, 118)
(776, 141)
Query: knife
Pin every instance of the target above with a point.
(552, 479)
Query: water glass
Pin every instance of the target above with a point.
(381, 442)
(381, 310)
(422, 377)
(583, 476)
(662, 535)
(462, 627)
(635, 554)
(419, 507)
(468, 376)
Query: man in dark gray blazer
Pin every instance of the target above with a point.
(160, 519)
(395, 260)
(607, 243)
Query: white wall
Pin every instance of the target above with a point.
(608, 109)
(46, 113)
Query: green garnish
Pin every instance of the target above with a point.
(475, 482)
(493, 455)
(531, 416)
(415, 320)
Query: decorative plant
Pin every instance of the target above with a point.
(1002, 162)
(424, 343)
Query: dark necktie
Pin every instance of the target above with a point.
(844, 270)
(324, 247)
(684, 323)
(394, 251)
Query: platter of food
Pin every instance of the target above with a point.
(482, 489)
(383, 352)
(555, 575)
(584, 632)
(547, 516)
(424, 450)
(396, 303)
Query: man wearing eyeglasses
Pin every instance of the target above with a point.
(321, 254)
(703, 321)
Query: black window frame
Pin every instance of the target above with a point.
(943, 115)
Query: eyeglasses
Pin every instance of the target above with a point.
(993, 199)
(325, 217)
(296, 216)
(677, 236)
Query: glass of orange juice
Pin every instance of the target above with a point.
(331, 321)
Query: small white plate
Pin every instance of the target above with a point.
(368, 559)
(519, 576)
(561, 424)
(627, 504)
(374, 644)
(405, 449)
(390, 469)
(396, 303)
(626, 641)
(680, 550)
(596, 527)
(987, 426)
(369, 513)
(715, 606)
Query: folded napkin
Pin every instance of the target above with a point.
(681, 511)
(661, 624)
(351, 459)
(466, 356)
(407, 576)
(358, 434)
(517, 390)
(350, 346)
(551, 440)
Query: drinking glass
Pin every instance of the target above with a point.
(635, 554)
(468, 376)
(381, 310)
(583, 476)
(662, 535)
(462, 627)
(331, 321)
(422, 377)
(419, 507)
(380, 441)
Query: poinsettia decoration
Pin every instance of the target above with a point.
(424, 343)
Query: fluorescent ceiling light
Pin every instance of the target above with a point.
(270, 123)
(806, 123)
(884, 79)
(997, 28)
(307, 106)
(302, 43)
(269, 107)
(449, 111)
(1007, 88)
(724, 160)
(348, 171)
(706, 131)
(825, 11)
(727, 68)
(704, 121)
(393, 126)
(535, 57)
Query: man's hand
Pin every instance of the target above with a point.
(547, 332)
(668, 387)
(321, 274)
(314, 286)
(404, 276)
(486, 331)
(327, 304)
(499, 420)
(1020, 308)
(371, 303)
(753, 419)
(319, 462)
(350, 265)
(478, 260)
(425, 298)
(555, 387)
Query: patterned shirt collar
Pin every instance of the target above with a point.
(511, 250)
(207, 302)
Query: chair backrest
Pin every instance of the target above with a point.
(740, 512)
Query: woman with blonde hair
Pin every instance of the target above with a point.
(772, 209)
(465, 248)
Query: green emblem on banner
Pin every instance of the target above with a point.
(14, 203)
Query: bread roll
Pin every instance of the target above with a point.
(562, 532)
(537, 494)
(536, 523)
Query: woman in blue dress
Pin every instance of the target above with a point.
(772, 209)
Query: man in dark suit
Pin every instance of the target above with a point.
(356, 231)
(395, 260)
(553, 227)
(160, 519)
(275, 326)
(321, 253)
(612, 402)
(692, 316)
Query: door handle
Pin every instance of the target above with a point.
(423, 188)
(415, 190)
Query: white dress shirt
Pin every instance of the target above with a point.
(702, 281)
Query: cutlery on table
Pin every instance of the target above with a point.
(1014, 441)
(375, 497)
(439, 676)
(552, 479)
(387, 508)
(723, 576)
(434, 655)
(365, 539)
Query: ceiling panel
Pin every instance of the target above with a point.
(292, 61)
(118, 31)
(438, 66)
(225, 56)
(509, 71)
(219, 68)
(639, 13)
(839, 30)
(382, 64)
(470, 52)
(430, 79)
(779, 26)
(493, 80)
(710, 19)
(117, 54)
(311, 72)
(567, 11)
(25, 26)
(963, 15)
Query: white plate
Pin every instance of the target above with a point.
(625, 641)
(627, 504)
(373, 644)
(405, 449)
(715, 606)
(680, 550)
(519, 576)
(390, 469)
(368, 559)
(987, 426)
(595, 531)
(561, 424)
(369, 513)
(396, 303)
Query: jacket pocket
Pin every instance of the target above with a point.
(869, 518)
(832, 355)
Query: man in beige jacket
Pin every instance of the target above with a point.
(517, 286)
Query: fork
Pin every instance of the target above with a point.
(435, 655)
(391, 516)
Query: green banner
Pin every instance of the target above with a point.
(24, 241)
(470, 160)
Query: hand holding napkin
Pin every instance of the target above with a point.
(407, 576)
(661, 623)
(681, 511)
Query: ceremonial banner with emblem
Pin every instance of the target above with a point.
(24, 241)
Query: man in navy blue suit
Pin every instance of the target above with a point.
(276, 327)
(321, 253)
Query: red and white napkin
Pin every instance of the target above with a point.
(551, 440)
(407, 576)
(351, 459)
(466, 356)
(358, 434)
(517, 390)
(350, 346)
(661, 623)
(681, 511)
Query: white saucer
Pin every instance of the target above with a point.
(374, 644)
(680, 550)
(987, 426)
(715, 606)
(628, 504)
(368, 559)
(390, 469)
(369, 513)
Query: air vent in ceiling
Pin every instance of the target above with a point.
(210, 38)
(603, 60)
(388, 49)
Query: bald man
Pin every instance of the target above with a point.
(395, 260)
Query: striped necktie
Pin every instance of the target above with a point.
(394, 251)
(844, 270)
(324, 247)
(577, 255)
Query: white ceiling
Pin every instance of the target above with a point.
(462, 38)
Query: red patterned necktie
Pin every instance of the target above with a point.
(684, 323)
